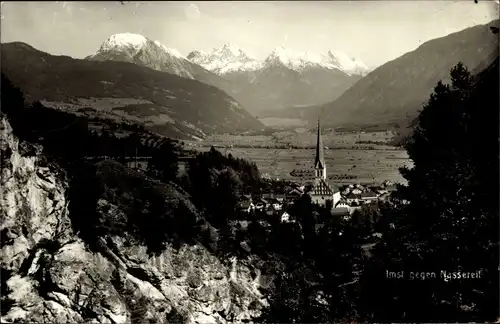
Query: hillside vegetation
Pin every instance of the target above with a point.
(392, 95)
(171, 103)
(395, 91)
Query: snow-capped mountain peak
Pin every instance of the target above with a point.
(141, 50)
(229, 50)
(171, 51)
(134, 43)
(226, 59)
(347, 63)
(124, 40)
(299, 60)
(292, 59)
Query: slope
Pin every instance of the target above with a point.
(50, 274)
(285, 78)
(164, 102)
(394, 92)
(140, 50)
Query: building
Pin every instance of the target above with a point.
(294, 193)
(275, 204)
(285, 218)
(352, 198)
(356, 191)
(342, 204)
(261, 203)
(369, 197)
(246, 206)
(138, 163)
(321, 192)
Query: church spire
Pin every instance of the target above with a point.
(319, 163)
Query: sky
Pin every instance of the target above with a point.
(373, 32)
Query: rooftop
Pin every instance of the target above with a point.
(321, 188)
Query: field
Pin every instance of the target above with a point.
(283, 122)
(303, 138)
(345, 157)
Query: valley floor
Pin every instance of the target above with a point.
(349, 158)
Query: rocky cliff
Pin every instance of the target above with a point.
(49, 274)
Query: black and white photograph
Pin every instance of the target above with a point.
(220, 162)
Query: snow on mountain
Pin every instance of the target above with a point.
(171, 51)
(138, 49)
(124, 40)
(347, 63)
(298, 61)
(230, 58)
(225, 59)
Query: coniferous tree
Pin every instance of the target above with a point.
(164, 161)
(450, 220)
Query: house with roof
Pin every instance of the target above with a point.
(285, 217)
(384, 196)
(391, 187)
(246, 206)
(261, 203)
(298, 186)
(357, 191)
(369, 196)
(382, 191)
(294, 193)
(343, 205)
(275, 204)
(321, 192)
(281, 197)
(352, 198)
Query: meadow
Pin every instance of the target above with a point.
(366, 166)
(348, 158)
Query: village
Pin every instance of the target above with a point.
(277, 196)
(344, 200)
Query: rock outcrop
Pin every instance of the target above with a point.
(49, 274)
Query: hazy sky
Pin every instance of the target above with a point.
(372, 31)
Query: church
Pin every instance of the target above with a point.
(321, 192)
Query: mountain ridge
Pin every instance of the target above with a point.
(176, 105)
(393, 93)
(252, 83)
(217, 59)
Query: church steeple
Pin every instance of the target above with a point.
(319, 163)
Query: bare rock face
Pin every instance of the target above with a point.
(49, 275)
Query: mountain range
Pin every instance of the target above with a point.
(231, 59)
(172, 105)
(394, 92)
(284, 78)
(135, 78)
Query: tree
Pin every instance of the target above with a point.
(225, 197)
(13, 107)
(164, 161)
(451, 220)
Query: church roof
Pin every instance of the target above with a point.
(321, 188)
(319, 163)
